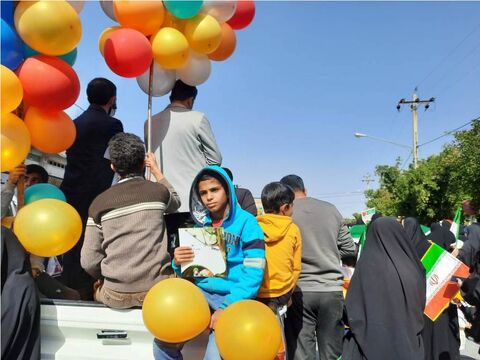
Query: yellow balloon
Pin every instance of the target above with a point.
(15, 141)
(175, 311)
(48, 227)
(204, 33)
(170, 48)
(104, 36)
(248, 329)
(50, 27)
(12, 91)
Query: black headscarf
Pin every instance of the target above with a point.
(386, 297)
(20, 303)
(470, 252)
(416, 236)
(441, 235)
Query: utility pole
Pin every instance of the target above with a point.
(414, 103)
(367, 179)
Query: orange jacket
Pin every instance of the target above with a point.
(283, 253)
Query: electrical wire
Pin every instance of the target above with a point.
(448, 55)
(449, 132)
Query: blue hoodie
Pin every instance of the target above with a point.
(245, 247)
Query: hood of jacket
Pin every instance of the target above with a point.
(198, 211)
(275, 227)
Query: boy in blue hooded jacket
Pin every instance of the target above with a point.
(213, 203)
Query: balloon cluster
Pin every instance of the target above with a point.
(38, 40)
(181, 36)
(38, 49)
(175, 311)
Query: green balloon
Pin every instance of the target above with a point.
(183, 9)
(43, 191)
(69, 57)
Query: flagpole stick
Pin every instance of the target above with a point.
(21, 181)
(149, 115)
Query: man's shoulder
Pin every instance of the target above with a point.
(313, 203)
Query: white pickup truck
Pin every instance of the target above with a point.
(69, 331)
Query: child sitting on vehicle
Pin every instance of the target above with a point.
(213, 203)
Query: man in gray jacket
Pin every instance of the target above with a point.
(182, 141)
(315, 316)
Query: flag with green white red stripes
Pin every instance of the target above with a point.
(440, 266)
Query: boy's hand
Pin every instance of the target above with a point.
(151, 163)
(183, 254)
(16, 173)
(215, 316)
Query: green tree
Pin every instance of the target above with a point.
(438, 185)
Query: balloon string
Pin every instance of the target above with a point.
(149, 115)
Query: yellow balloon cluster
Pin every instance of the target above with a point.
(50, 27)
(48, 227)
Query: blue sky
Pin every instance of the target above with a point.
(307, 75)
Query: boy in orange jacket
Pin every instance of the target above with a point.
(283, 250)
(283, 246)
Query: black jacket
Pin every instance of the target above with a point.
(88, 173)
(246, 200)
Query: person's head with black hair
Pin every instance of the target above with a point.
(127, 155)
(277, 198)
(295, 182)
(213, 191)
(103, 92)
(35, 174)
(183, 94)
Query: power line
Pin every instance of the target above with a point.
(448, 71)
(406, 161)
(449, 54)
(450, 132)
(461, 77)
(79, 107)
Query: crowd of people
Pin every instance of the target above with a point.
(287, 258)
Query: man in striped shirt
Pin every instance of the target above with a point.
(125, 247)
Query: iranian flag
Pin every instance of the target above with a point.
(440, 266)
(455, 227)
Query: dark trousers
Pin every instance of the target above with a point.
(73, 274)
(315, 318)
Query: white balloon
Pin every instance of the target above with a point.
(77, 5)
(107, 7)
(163, 80)
(196, 71)
(220, 10)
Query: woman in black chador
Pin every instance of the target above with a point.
(386, 298)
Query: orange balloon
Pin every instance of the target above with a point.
(173, 22)
(144, 16)
(52, 131)
(104, 36)
(15, 141)
(48, 82)
(175, 311)
(227, 44)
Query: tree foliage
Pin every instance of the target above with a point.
(437, 187)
